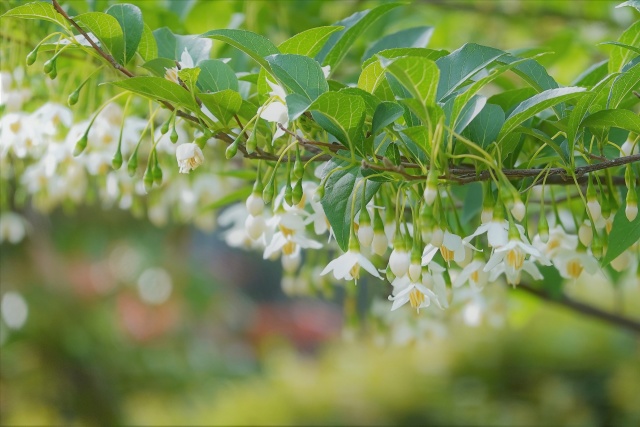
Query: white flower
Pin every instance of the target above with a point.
(497, 232)
(629, 148)
(451, 249)
(276, 111)
(399, 262)
(631, 211)
(474, 274)
(585, 233)
(558, 240)
(255, 204)
(347, 266)
(510, 259)
(189, 157)
(185, 62)
(290, 236)
(518, 210)
(255, 226)
(415, 293)
(380, 243)
(594, 209)
(571, 264)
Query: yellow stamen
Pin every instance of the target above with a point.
(15, 126)
(475, 276)
(515, 259)
(416, 298)
(355, 271)
(289, 248)
(447, 254)
(286, 232)
(574, 268)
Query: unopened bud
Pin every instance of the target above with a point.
(365, 234)
(231, 150)
(32, 56)
(543, 228)
(415, 272)
(631, 211)
(165, 127)
(380, 243)
(297, 193)
(267, 193)
(174, 135)
(518, 210)
(201, 141)
(399, 262)
(81, 144)
(49, 66)
(585, 233)
(157, 174)
(596, 247)
(116, 162)
(431, 189)
(148, 180)
(73, 97)
(252, 142)
(132, 165)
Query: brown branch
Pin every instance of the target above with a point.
(582, 308)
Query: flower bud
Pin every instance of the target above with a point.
(596, 246)
(595, 211)
(543, 228)
(54, 73)
(255, 204)
(380, 243)
(298, 192)
(165, 126)
(437, 237)
(585, 233)
(157, 174)
(389, 274)
(252, 141)
(231, 150)
(116, 162)
(298, 167)
(201, 140)
(365, 234)
(486, 215)
(415, 271)
(288, 192)
(254, 226)
(399, 262)
(81, 144)
(631, 211)
(267, 193)
(147, 179)
(32, 56)
(518, 210)
(174, 135)
(73, 97)
(431, 189)
(49, 65)
(132, 165)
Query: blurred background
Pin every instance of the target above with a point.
(107, 319)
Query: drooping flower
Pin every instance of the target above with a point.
(474, 274)
(414, 293)
(185, 62)
(510, 259)
(276, 110)
(452, 248)
(347, 266)
(189, 157)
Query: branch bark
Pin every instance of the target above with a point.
(585, 309)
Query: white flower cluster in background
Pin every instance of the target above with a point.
(37, 152)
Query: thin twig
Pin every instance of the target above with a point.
(588, 310)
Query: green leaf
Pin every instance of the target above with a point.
(622, 86)
(432, 54)
(531, 72)
(623, 235)
(216, 76)
(509, 99)
(470, 110)
(340, 42)
(342, 189)
(159, 66)
(385, 114)
(172, 46)
(107, 29)
(417, 141)
(37, 10)
(462, 99)
(130, 19)
(485, 127)
(224, 104)
(635, 49)
(623, 119)
(158, 88)
(411, 37)
(418, 75)
(342, 116)
(296, 105)
(308, 42)
(373, 80)
(189, 77)
(254, 45)
(300, 74)
(592, 75)
(370, 101)
(457, 67)
(537, 104)
(593, 101)
(621, 55)
(147, 48)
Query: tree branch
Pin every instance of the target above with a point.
(582, 308)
